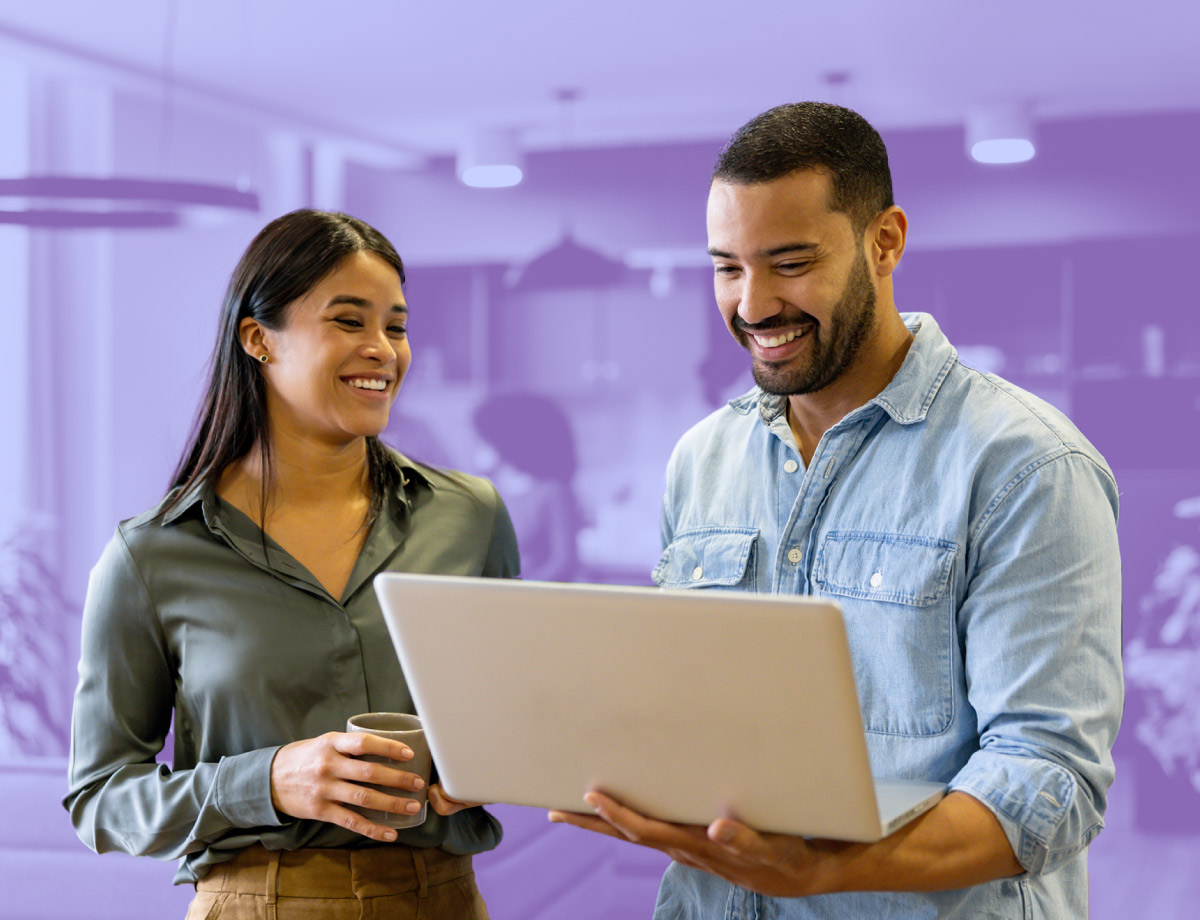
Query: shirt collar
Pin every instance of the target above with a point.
(910, 393)
(398, 505)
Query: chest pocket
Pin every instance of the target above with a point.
(895, 594)
(709, 557)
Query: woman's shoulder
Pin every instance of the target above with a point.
(446, 482)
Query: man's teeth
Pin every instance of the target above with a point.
(363, 384)
(774, 341)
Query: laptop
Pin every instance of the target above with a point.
(684, 705)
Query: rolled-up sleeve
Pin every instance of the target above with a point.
(119, 797)
(1041, 629)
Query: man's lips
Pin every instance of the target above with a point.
(778, 344)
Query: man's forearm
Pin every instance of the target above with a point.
(955, 844)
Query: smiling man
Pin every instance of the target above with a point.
(967, 529)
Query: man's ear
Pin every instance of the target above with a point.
(886, 236)
(253, 336)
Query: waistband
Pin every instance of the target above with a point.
(370, 872)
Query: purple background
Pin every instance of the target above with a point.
(1071, 275)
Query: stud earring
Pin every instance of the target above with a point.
(262, 358)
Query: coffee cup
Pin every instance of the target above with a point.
(407, 729)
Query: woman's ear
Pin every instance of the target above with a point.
(253, 337)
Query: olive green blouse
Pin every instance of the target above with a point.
(187, 615)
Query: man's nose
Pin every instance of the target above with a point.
(759, 300)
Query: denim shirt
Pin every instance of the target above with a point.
(968, 531)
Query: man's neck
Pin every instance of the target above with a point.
(810, 415)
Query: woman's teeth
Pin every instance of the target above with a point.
(367, 384)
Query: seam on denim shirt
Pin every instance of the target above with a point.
(935, 385)
(989, 513)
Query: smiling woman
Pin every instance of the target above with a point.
(241, 606)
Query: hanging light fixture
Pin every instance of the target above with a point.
(61, 201)
(78, 202)
(568, 263)
(491, 159)
(1000, 134)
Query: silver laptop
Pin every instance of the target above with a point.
(684, 705)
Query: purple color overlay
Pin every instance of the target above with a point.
(573, 314)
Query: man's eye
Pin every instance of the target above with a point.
(725, 269)
(793, 266)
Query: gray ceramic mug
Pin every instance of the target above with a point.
(405, 728)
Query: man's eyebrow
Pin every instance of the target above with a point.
(360, 302)
(767, 253)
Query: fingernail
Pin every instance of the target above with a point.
(418, 783)
(725, 833)
(412, 807)
(406, 754)
(389, 835)
(592, 801)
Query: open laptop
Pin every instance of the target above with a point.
(684, 705)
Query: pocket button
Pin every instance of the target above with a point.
(697, 573)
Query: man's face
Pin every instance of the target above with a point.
(791, 280)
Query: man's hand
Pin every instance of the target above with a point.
(955, 844)
(771, 864)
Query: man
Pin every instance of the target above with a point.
(967, 529)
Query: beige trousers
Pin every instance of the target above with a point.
(377, 883)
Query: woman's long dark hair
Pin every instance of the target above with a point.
(289, 257)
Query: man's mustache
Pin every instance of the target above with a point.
(775, 322)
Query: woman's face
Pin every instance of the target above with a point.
(333, 371)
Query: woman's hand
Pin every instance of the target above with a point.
(317, 778)
(443, 804)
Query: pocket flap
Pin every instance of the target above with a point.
(896, 568)
(705, 558)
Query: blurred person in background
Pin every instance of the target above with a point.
(242, 606)
(530, 454)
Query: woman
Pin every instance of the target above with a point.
(242, 604)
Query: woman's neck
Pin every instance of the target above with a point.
(304, 473)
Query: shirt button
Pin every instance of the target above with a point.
(794, 555)
(791, 466)
(876, 580)
(697, 573)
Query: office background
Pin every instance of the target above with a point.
(573, 312)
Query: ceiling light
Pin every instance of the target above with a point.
(114, 202)
(490, 159)
(1000, 134)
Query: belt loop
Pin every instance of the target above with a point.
(422, 876)
(272, 882)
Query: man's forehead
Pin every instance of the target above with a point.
(794, 206)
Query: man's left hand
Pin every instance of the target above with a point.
(771, 864)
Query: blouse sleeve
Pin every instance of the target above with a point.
(503, 558)
(119, 797)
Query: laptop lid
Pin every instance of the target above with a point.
(685, 705)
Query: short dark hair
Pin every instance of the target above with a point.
(814, 135)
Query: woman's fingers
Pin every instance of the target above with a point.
(443, 804)
(356, 744)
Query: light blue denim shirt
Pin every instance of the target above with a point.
(968, 531)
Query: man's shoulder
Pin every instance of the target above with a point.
(990, 413)
(722, 431)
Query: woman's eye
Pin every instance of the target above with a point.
(397, 330)
(349, 321)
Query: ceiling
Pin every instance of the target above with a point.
(419, 77)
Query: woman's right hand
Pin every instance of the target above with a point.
(317, 778)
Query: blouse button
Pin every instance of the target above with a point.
(876, 580)
(791, 466)
(794, 555)
(697, 573)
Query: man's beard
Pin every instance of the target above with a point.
(830, 351)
